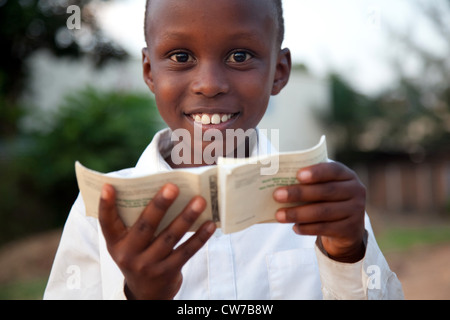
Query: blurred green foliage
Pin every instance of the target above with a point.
(29, 25)
(412, 117)
(105, 131)
(29, 289)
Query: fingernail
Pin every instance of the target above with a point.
(211, 227)
(280, 216)
(105, 193)
(197, 205)
(169, 193)
(304, 176)
(281, 194)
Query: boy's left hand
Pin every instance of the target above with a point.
(334, 208)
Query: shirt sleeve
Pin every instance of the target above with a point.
(76, 272)
(369, 278)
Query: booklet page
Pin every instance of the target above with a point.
(133, 194)
(247, 194)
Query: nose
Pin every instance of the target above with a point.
(210, 80)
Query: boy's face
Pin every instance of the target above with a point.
(215, 62)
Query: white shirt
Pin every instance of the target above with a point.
(265, 261)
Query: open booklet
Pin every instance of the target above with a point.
(238, 192)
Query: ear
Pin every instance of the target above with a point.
(147, 69)
(282, 72)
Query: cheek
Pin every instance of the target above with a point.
(256, 95)
(168, 94)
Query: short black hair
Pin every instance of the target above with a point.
(278, 8)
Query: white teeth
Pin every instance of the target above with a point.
(215, 119)
(207, 119)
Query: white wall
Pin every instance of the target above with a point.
(295, 112)
(53, 78)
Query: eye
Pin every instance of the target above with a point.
(181, 57)
(239, 57)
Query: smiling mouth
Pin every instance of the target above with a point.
(215, 118)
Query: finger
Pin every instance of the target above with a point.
(330, 191)
(324, 172)
(315, 213)
(186, 250)
(327, 229)
(344, 231)
(143, 231)
(169, 237)
(112, 226)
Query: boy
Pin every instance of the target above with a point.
(216, 63)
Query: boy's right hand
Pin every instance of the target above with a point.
(150, 264)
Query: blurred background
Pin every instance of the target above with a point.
(374, 76)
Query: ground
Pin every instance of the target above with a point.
(424, 271)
